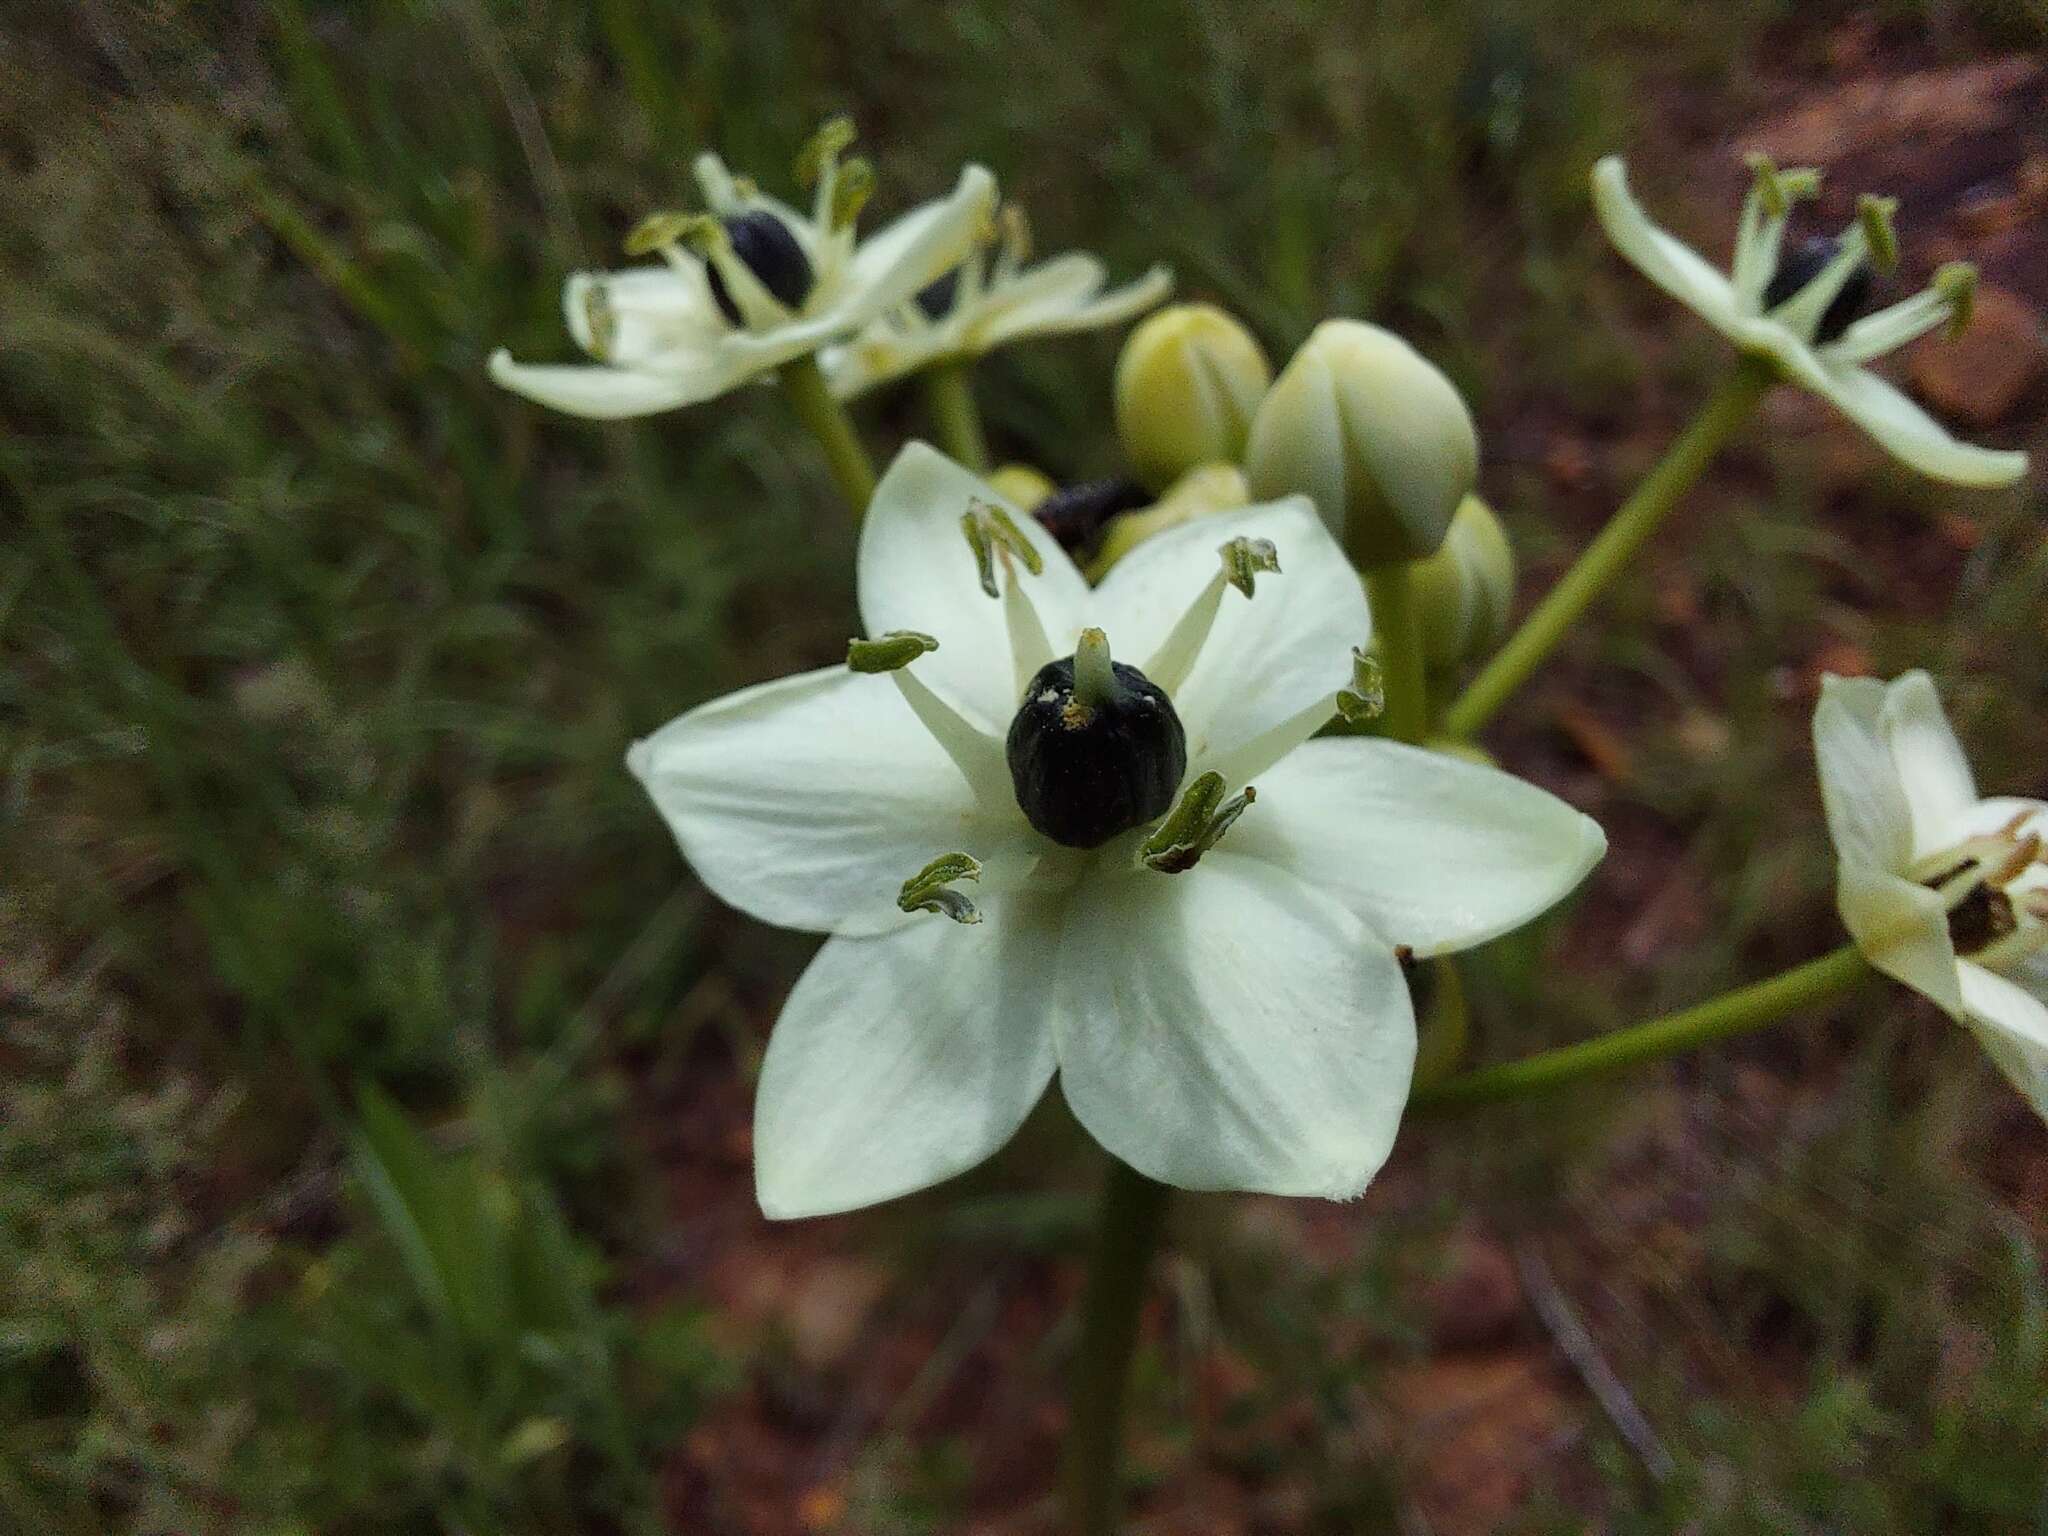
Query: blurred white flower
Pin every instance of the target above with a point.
(1218, 989)
(1940, 890)
(986, 302)
(1799, 309)
(745, 288)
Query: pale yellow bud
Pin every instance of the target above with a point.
(1187, 383)
(1204, 489)
(1020, 485)
(1466, 590)
(1371, 432)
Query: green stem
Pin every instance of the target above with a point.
(949, 396)
(1612, 552)
(1133, 1210)
(803, 386)
(1733, 1013)
(1397, 627)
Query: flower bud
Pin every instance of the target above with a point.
(1187, 383)
(1204, 489)
(1021, 485)
(1466, 589)
(1371, 432)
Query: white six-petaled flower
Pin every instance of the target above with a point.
(745, 288)
(1240, 1024)
(1941, 890)
(1748, 306)
(989, 302)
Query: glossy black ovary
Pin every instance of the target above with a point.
(763, 242)
(1800, 265)
(1085, 773)
(936, 297)
(1076, 514)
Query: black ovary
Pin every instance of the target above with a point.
(1082, 775)
(936, 297)
(1076, 514)
(772, 254)
(1800, 265)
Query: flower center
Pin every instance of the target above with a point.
(936, 297)
(1800, 265)
(1997, 911)
(772, 254)
(1095, 749)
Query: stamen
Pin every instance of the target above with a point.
(1366, 699)
(1194, 826)
(1242, 560)
(978, 755)
(1760, 232)
(889, 650)
(990, 530)
(2024, 853)
(929, 889)
(1875, 215)
(1892, 327)
(1956, 281)
(851, 189)
(822, 150)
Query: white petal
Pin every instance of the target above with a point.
(2013, 1026)
(893, 263)
(904, 1059)
(880, 354)
(1432, 851)
(1911, 435)
(1859, 783)
(916, 571)
(650, 314)
(1229, 1028)
(1050, 319)
(1902, 929)
(1987, 818)
(807, 802)
(1269, 656)
(1940, 789)
(1665, 260)
(600, 393)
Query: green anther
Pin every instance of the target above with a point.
(989, 529)
(657, 230)
(831, 140)
(1777, 189)
(1244, 558)
(1366, 698)
(1016, 234)
(929, 889)
(1875, 214)
(1194, 826)
(603, 323)
(851, 191)
(1956, 282)
(888, 651)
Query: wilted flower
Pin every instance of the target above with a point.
(1187, 383)
(1800, 310)
(747, 287)
(1034, 858)
(1941, 890)
(1373, 433)
(985, 303)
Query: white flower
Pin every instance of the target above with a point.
(1794, 329)
(1940, 890)
(746, 288)
(981, 305)
(1242, 1024)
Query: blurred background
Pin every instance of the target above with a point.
(374, 1078)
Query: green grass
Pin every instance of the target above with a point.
(322, 656)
